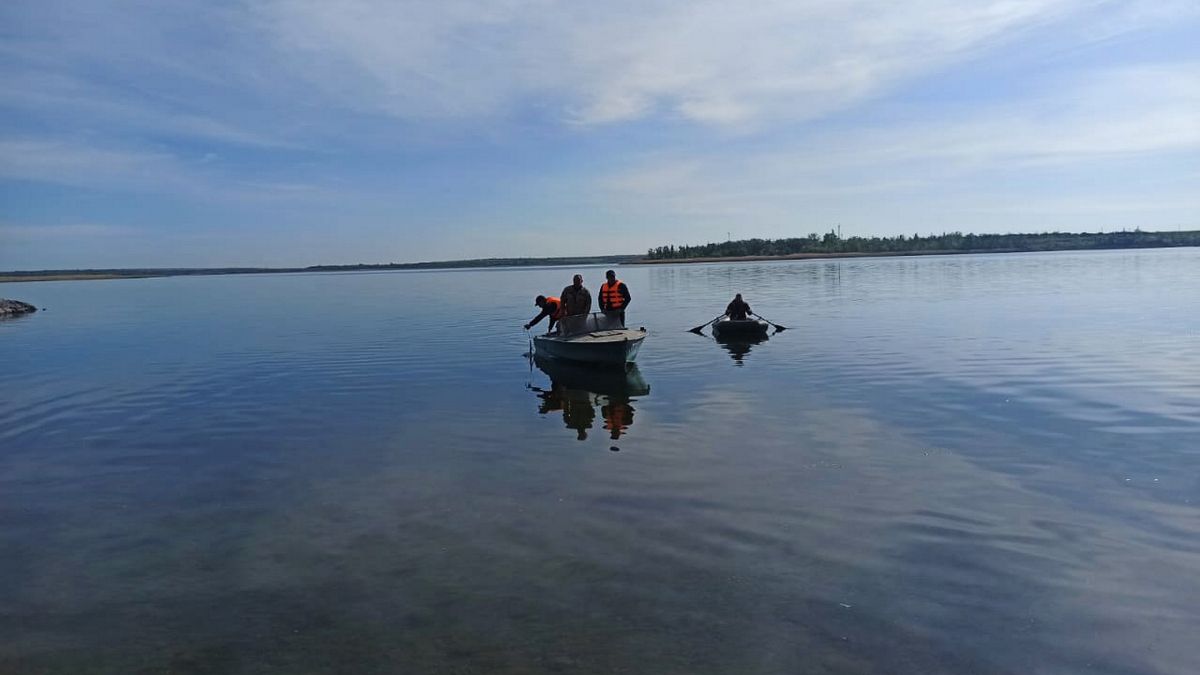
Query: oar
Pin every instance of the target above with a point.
(778, 328)
(711, 321)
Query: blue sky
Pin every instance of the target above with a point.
(295, 132)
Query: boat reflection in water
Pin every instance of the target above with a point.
(580, 392)
(739, 346)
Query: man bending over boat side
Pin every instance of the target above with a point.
(551, 307)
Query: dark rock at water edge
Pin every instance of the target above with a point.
(14, 307)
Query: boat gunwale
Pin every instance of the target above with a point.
(741, 326)
(597, 337)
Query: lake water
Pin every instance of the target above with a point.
(963, 464)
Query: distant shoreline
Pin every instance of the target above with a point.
(68, 277)
(847, 254)
(144, 273)
(882, 254)
(494, 263)
(832, 245)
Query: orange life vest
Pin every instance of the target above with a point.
(558, 312)
(610, 295)
(617, 418)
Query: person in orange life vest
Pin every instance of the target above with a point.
(551, 307)
(738, 308)
(614, 296)
(618, 415)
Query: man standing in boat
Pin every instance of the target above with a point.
(551, 307)
(575, 298)
(614, 296)
(738, 308)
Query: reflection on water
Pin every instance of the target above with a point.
(740, 346)
(958, 464)
(578, 392)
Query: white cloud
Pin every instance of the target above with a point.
(725, 64)
(1128, 111)
(713, 63)
(276, 73)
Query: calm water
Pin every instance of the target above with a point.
(977, 464)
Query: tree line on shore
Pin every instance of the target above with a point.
(830, 242)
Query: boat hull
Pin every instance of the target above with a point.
(607, 348)
(740, 328)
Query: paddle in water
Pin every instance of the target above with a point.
(778, 328)
(710, 322)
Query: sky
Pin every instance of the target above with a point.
(299, 132)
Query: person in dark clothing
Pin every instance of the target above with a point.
(614, 296)
(738, 309)
(551, 307)
(575, 404)
(576, 299)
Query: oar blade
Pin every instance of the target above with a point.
(698, 330)
(778, 328)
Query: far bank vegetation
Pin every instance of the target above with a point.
(831, 243)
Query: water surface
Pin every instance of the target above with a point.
(963, 464)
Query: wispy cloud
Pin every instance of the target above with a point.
(63, 161)
(14, 233)
(276, 74)
(80, 163)
(709, 62)
(1127, 111)
(51, 95)
(1122, 111)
